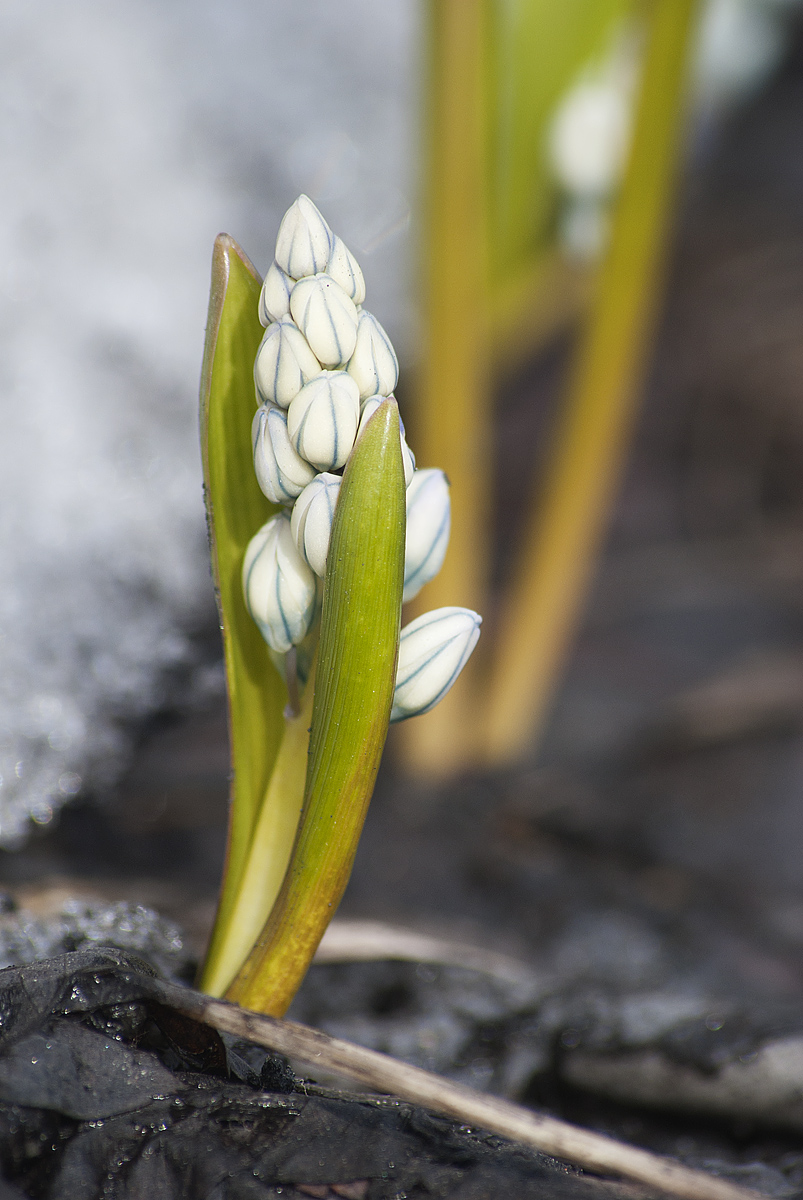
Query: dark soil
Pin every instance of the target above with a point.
(105, 1092)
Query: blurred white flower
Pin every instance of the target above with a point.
(428, 523)
(373, 364)
(433, 650)
(327, 317)
(304, 241)
(274, 299)
(590, 135)
(311, 520)
(281, 473)
(284, 363)
(589, 139)
(278, 586)
(345, 270)
(367, 410)
(322, 420)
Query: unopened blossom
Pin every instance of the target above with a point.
(304, 241)
(428, 524)
(373, 365)
(284, 363)
(322, 420)
(433, 650)
(281, 472)
(327, 317)
(274, 299)
(312, 517)
(324, 367)
(345, 270)
(367, 410)
(278, 585)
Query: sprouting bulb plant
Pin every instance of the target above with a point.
(350, 530)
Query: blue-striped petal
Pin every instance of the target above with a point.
(433, 650)
(278, 585)
(322, 420)
(373, 365)
(284, 363)
(345, 270)
(281, 473)
(304, 241)
(274, 299)
(428, 525)
(327, 317)
(312, 517)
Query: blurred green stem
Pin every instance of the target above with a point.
(570, 517)
(450, 420)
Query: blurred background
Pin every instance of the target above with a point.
(132, 135)
(643, 812)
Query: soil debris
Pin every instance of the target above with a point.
(105, 1093)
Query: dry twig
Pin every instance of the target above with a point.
(349, 940)
(382, 1073)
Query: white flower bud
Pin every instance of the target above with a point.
(278, 585)
(367, 410)
(274, 299)
(284, 363)
(281, 473)
(345, 270)
(311, 520)
(304, 241)
(433, 650)
(373, 365)
(327, 317)
(428, 522)
(322, 420)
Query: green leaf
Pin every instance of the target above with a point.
(272, 842)
(353, 695)
(236, 508)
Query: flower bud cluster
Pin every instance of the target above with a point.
(324, 366)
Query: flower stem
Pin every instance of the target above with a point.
(268, 854)
(570, 519)
(293, 706)
(452, 403)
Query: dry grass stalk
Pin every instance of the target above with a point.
(381, 1073)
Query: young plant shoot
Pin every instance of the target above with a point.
(341, 528)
